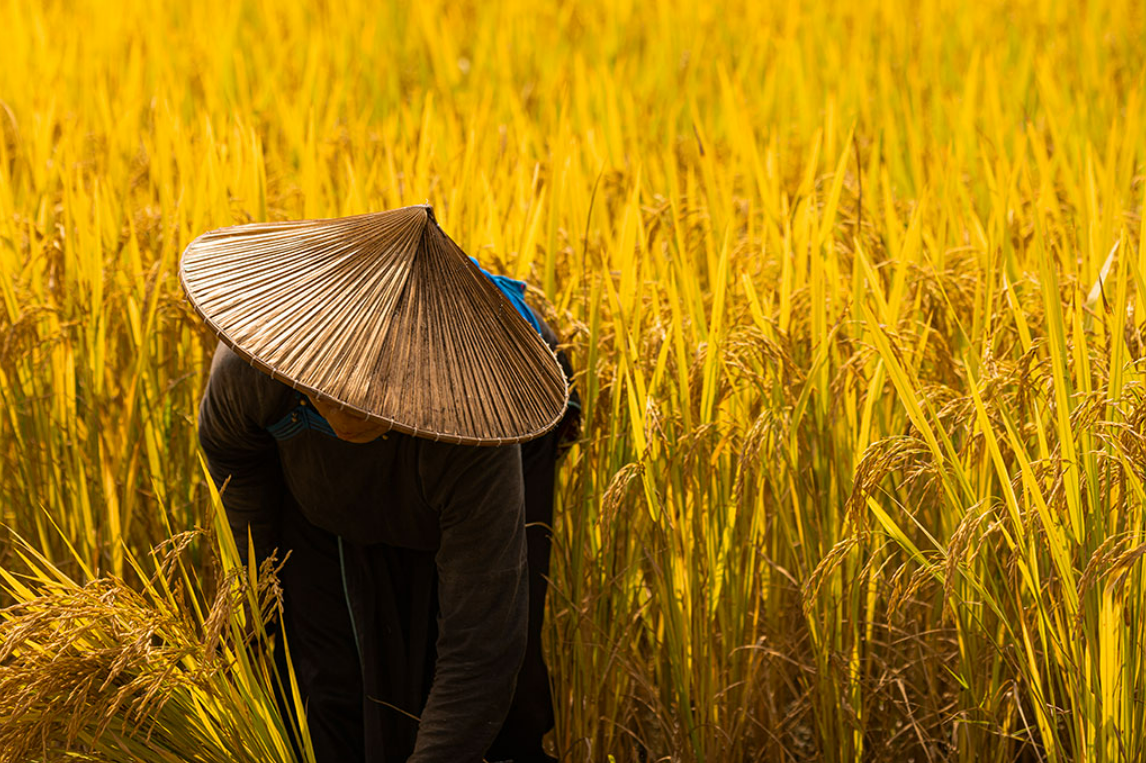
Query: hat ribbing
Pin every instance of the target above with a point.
(384, 315)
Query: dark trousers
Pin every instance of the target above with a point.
(362, 693)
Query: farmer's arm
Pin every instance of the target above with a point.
(482, 596)
(237, 446)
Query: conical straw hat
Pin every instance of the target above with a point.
(383, 315)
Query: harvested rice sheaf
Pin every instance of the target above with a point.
(105, 669)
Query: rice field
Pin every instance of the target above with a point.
(855, 291)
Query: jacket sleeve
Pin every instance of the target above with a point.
(482, 599)
(240, 453)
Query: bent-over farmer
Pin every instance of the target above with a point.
(390, 415)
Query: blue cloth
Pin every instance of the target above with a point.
(514, 291)
(299, 419)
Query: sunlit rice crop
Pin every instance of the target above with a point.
(855, 291)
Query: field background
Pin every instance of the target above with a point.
(856, 293)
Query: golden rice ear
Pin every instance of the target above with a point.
(384, 315)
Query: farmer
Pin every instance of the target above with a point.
(390, 415)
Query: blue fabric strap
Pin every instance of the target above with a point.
(514, 291)
(299, 419)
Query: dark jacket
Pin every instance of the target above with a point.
(463, 503)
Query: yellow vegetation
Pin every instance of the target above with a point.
(855, 289)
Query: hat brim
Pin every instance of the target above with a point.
(382, 315)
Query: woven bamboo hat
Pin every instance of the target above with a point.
(381, 314)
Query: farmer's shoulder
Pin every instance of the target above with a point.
(546, 331)
(228, 366)
(238, 384)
